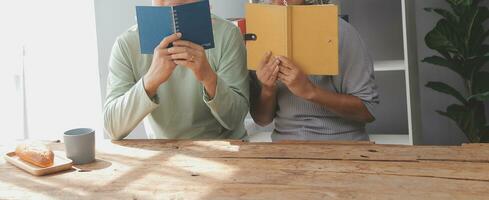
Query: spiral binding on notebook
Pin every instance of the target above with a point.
(176, 27)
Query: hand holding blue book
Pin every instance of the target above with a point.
(193, 20)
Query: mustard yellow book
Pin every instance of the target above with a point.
(308, 34)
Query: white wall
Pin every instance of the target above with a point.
(228, 8)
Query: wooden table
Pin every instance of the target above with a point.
(172, 169)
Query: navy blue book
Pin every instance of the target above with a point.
(193, 20)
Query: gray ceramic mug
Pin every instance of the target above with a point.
(80, 145)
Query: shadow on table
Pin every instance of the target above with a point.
(97, 165)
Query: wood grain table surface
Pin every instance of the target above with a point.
(179, 169)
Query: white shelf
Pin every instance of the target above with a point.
(377, 138)
(389, 65)
(260, 137)
(390, 139)
(391, 37)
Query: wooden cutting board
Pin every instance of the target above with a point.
(60, 164)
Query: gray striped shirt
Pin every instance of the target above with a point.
(298, 119)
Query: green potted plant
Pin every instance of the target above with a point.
(459, 38)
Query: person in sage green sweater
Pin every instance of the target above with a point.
(182, 92)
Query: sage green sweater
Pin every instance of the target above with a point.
(181, 108)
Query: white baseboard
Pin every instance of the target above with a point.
(378, 139)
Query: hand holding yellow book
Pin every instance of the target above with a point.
(307, 34)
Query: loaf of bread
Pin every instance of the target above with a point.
(35, 154)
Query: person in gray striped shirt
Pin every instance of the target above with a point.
(316, 107)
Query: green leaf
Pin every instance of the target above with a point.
(443, 38)
(476, 2)
(483, 14)
(451, 64)
(460, 7)
(444, 88)
(444, 13)
(484, 138)
(472, 24)
(481, 83)
(459, 2)
(483, 38)
(473, 65)
(481, 97)
(437, 60)
(482, 49)
(485, 134)
(465, 119)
